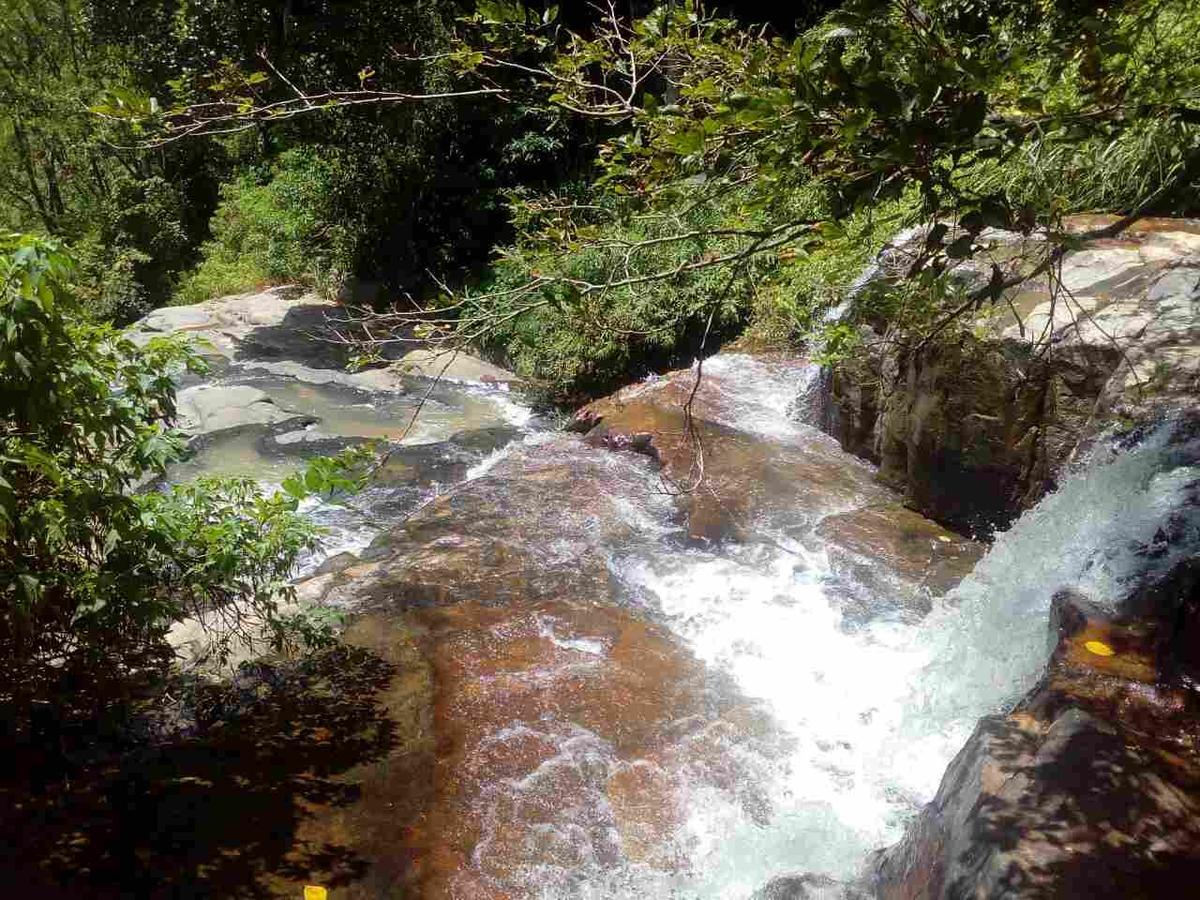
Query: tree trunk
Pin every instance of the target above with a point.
(35, 189)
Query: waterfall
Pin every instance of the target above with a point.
(869, 715)
(987, 640)
(797, 713)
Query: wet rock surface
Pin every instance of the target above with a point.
(560, 729)
(454, 367)
(572, 725)
(536, 526)
(772, 472)
(729, 479)
(808, 887)
(585, 638)
(278, 395)
(279, 389)
(889, 551)
(976, 428)
(562, 720)
(1091, 786)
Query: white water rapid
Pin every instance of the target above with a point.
(828, 711)
(870, 715)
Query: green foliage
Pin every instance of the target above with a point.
(129, 248)
(1094, 175)
(273, 226)
(371, 204)
(219, 275)
(133, 219)
(577, 341)
(987, 113)
(92, 571)
(798, 304)
(388, 193)
(403, 194)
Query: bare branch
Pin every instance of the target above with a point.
(262, 54)
(229, 117)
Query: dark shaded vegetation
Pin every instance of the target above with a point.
(390, 195)
(743, 178)
(386, 194)
(740, 181)
(198, 791)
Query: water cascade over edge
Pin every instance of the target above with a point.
(870, 713)
(833, 709)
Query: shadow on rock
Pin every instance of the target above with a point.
(213, 809)
(1091, 815)
(304, 335)
(1090, 788)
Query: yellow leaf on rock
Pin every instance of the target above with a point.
(314, 892)
(1099, 648)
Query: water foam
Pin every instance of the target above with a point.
(873, 714)
(765, 393)
(988, 641)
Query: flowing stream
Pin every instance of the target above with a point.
(815, 712)
(873, 713)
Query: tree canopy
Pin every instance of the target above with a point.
(735, 169)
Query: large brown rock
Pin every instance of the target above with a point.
(561, 720)
(1090, 788)
(535, 527)
(977, 426)
(744, 470)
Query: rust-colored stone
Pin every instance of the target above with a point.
(1091, 788)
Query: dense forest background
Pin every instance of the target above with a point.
(385, 194)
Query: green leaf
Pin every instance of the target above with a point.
(687, 142)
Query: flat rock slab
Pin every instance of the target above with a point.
(293, 332)
(284, 323)
(452, 367)
(208, 408)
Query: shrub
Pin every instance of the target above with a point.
(578, 342)
(92, 572)
(274, 225)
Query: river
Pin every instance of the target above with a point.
(629, 705)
